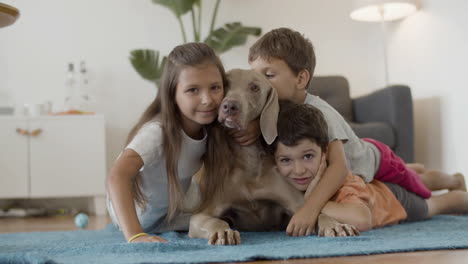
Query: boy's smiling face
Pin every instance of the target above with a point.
(299, 163)
(281, 77)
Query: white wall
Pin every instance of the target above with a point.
(428, 52)
(35, 50)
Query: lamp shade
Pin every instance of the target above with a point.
(8, 15)
(386, 10)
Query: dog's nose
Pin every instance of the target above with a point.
(230, 107)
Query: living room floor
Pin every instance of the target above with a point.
(9, 225)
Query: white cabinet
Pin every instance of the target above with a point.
(52, 156)
(14, 159)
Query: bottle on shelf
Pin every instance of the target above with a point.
(76, 101)
(84, 87)
(70, 84)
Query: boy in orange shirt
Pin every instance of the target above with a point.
(299, 151)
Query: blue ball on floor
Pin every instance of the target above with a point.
(81, 220)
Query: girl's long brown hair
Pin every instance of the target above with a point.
(219, 161)
(164, 107)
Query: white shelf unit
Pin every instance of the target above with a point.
(52, 156)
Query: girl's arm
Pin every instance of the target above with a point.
(119, 185)
(304, 220)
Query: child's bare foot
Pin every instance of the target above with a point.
(461, 182)
(453, 202)
(417, 167)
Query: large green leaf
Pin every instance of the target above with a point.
(178, 7)
(231, 35)
(146, 63)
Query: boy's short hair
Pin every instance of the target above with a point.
(301, 121)
(288, 45)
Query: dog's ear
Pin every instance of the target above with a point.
(269, 117)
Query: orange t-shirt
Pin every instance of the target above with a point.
(384, 206)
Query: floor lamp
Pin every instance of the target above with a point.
(383, 11)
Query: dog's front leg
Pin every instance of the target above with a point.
(214, 229)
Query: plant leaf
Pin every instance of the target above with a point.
(178, 7)
(146, 63)
(231, 35)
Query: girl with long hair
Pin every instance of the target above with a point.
(147, 183)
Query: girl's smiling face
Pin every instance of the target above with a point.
(199, 93)
(299, 163)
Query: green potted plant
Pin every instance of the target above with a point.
(148, 63)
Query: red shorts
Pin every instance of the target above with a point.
(393, 169)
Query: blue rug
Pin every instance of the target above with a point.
(109, 246)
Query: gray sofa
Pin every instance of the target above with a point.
(385, 115)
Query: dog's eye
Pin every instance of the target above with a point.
(253, 87)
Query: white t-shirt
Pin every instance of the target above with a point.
(148, 144)
(363, 157)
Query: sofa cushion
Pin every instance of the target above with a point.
(380, 131)
(335, 91)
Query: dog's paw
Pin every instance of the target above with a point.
(338, 230)
(330, 227)
(225, 237)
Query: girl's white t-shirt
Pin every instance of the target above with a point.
(148, 144)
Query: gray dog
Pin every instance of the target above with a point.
(253, 196)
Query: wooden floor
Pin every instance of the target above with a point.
(8, 225)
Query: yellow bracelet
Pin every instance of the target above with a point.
(137, 236)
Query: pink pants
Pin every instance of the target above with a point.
(393, 169)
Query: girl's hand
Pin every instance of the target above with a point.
(318, 175)
(247, 136)
(149, 239)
